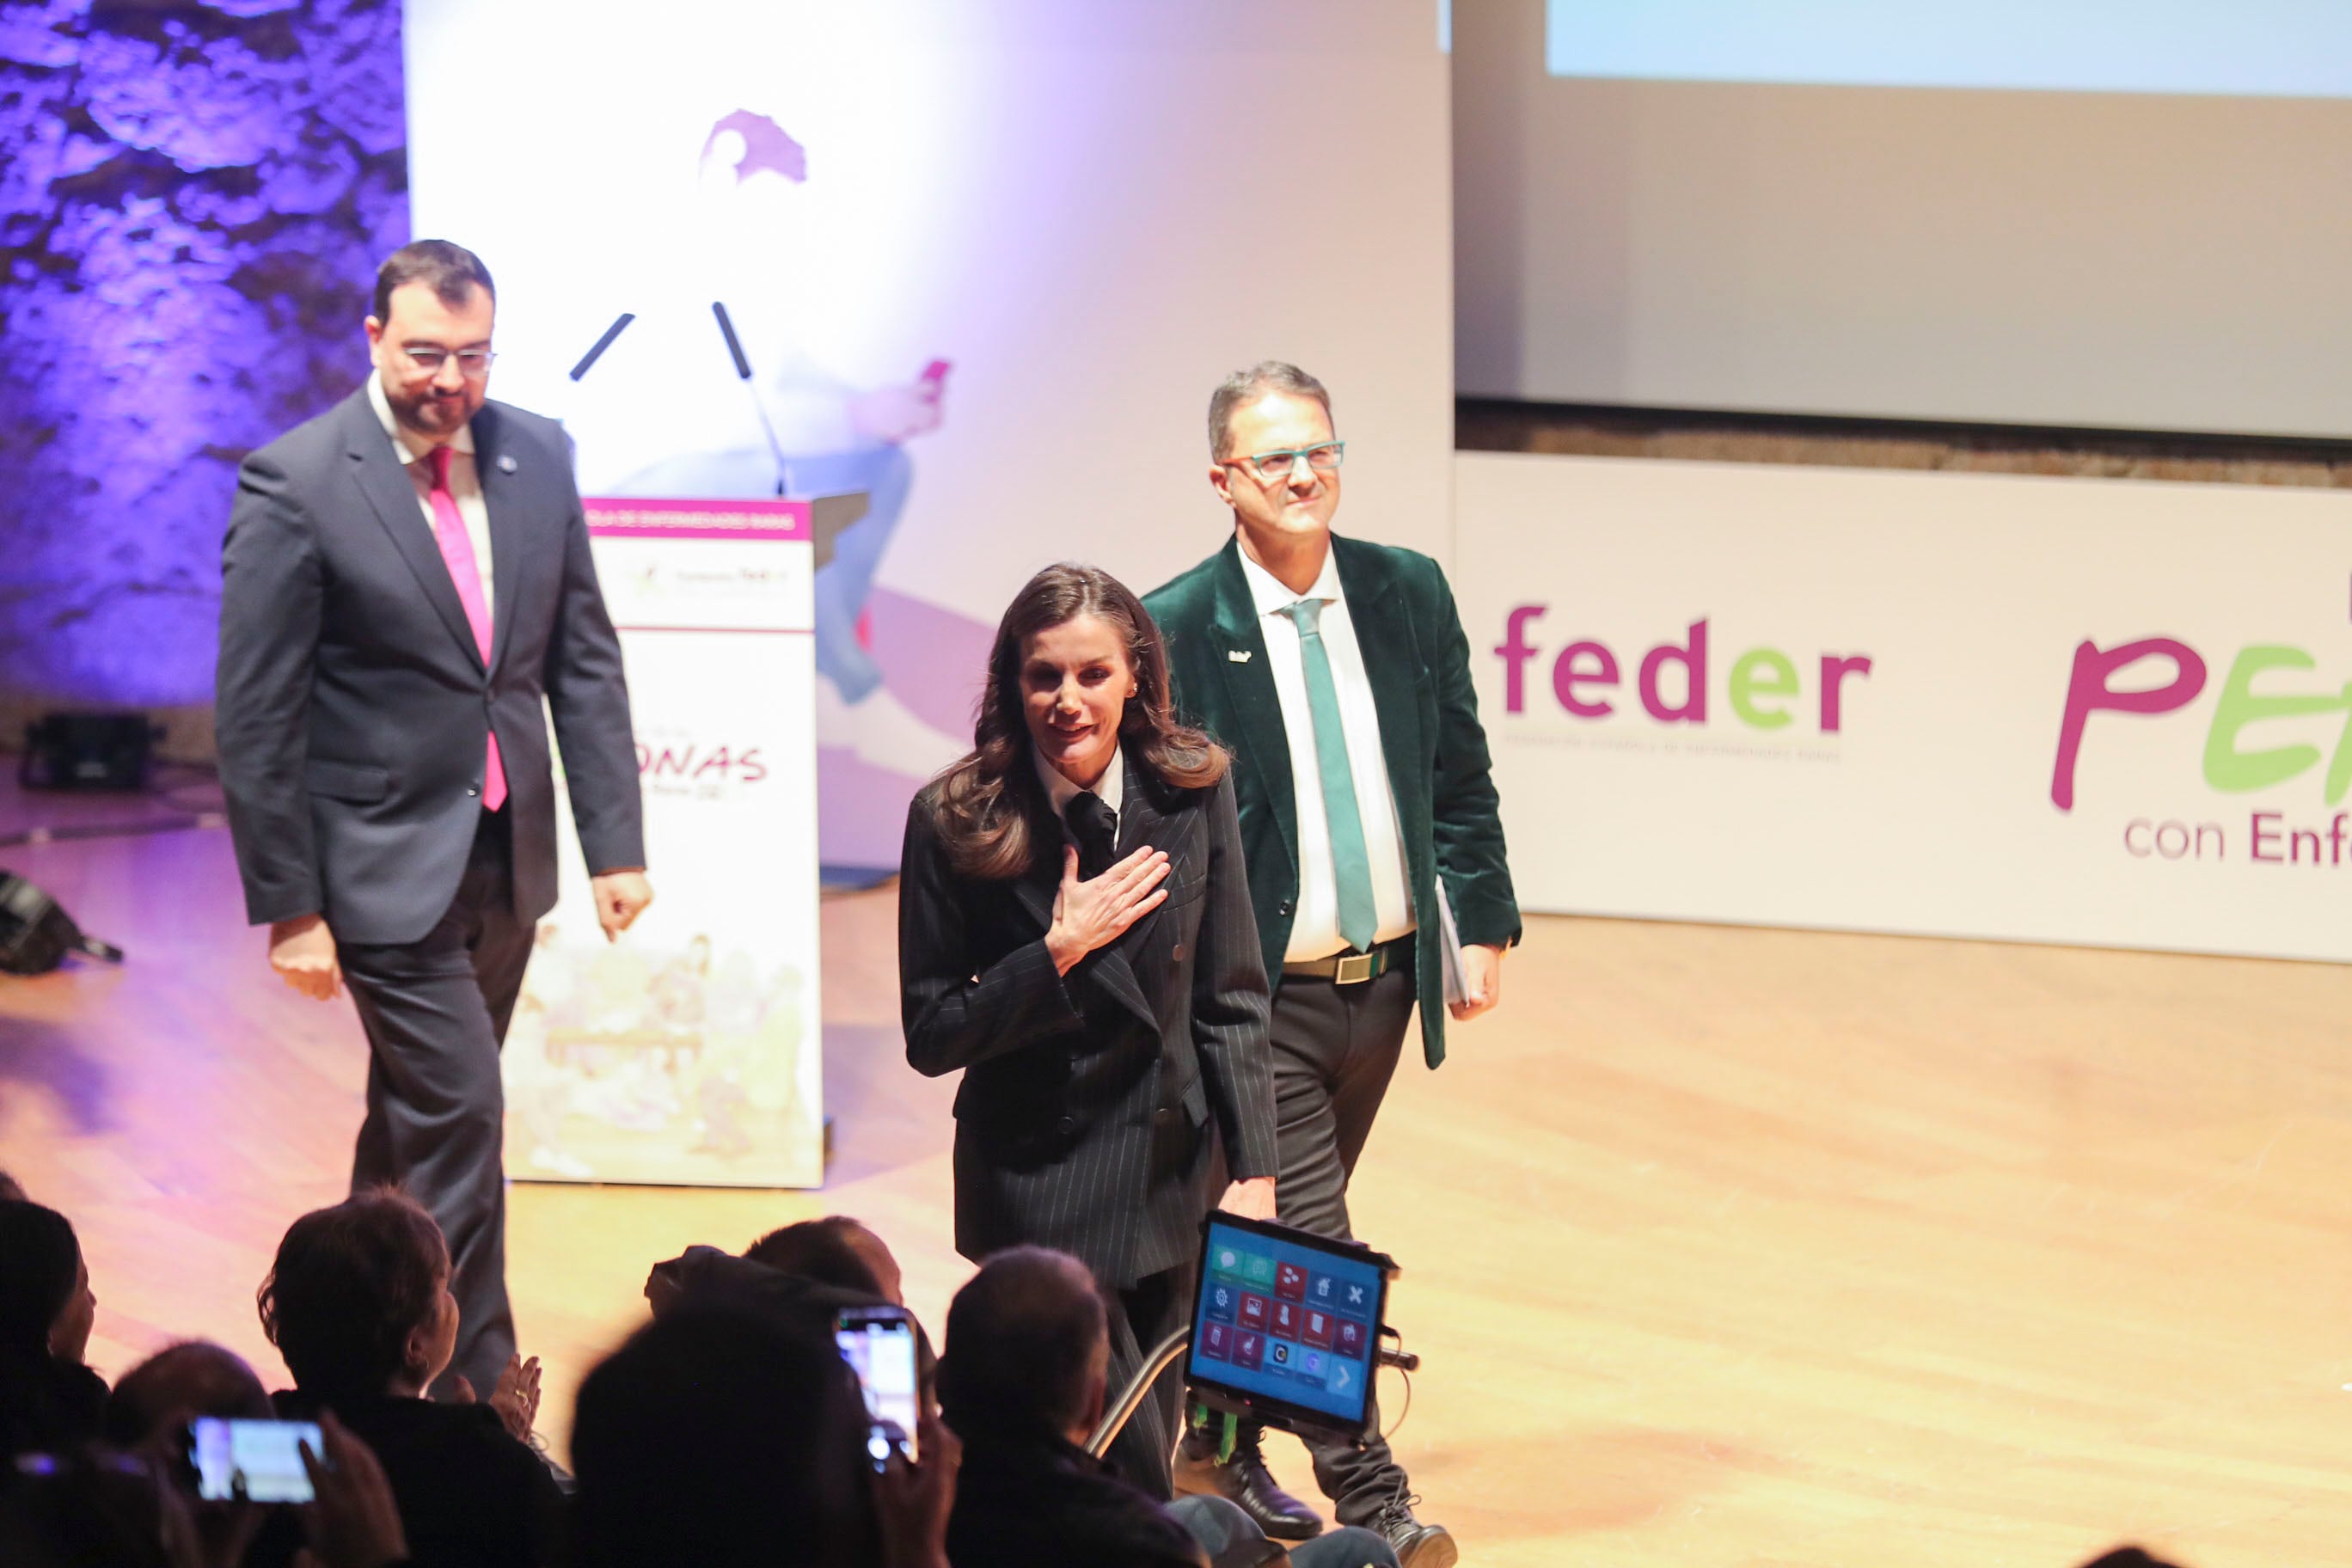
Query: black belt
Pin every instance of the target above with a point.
(1352, 968)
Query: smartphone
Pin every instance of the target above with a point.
(251, 1461)
(878, 1343)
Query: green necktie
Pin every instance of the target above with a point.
(1351, 866)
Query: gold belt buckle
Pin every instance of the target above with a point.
(1354, 968)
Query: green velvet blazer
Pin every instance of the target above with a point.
(1418, 664)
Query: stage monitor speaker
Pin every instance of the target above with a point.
(87, 750)
(36, 935)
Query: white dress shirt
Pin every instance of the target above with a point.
(1112, 787)
(464, 484)
(1315, 928)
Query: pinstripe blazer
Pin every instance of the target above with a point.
(1085, 1118)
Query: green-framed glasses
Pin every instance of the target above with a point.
(1270, 467)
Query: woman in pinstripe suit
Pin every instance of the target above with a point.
(1074, 932)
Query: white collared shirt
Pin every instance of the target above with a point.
(1111, 787)
(1315, 927)
(464, 483)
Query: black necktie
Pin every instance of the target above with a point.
(1095, 828)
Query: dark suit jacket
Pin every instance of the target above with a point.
(1037, 1501)
(1419, 665)
(354, 709)
(1070, 1081)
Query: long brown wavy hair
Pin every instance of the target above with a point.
(987, 805)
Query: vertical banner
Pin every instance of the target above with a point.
(687, 1052)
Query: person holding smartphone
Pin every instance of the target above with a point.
(1075, 934)
(359, 1302)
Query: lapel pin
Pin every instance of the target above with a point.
(506, 463)
(1238, 655)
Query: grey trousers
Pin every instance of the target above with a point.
(436, 1012)
(1335, 1049)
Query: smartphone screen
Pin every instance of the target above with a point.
(881, 1348)
(260, 1461)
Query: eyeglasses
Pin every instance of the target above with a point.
(1273, 467)
(472, 363)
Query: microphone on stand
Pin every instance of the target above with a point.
(593, 355)
(620, 324)
(743, 374)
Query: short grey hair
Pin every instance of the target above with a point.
(1266, 375)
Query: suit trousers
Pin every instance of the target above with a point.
(436, 1012)
(1141, 1316)
(1335, 1049)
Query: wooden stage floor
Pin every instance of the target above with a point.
(1722, 1246)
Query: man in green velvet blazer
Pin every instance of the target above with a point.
(1338, 674)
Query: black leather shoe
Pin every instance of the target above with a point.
(1244, 1481)
(1417, 1545)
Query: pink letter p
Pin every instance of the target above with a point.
(2088, 691)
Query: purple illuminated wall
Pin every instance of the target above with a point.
(193, 201)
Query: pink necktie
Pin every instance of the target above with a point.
(457, 554)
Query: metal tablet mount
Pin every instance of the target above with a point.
(1169, 1352)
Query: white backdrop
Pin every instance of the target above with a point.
(1090, 213)
(2154, 260)
(1927, 801)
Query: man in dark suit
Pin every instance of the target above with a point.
(406, 597)
(1338, 674)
